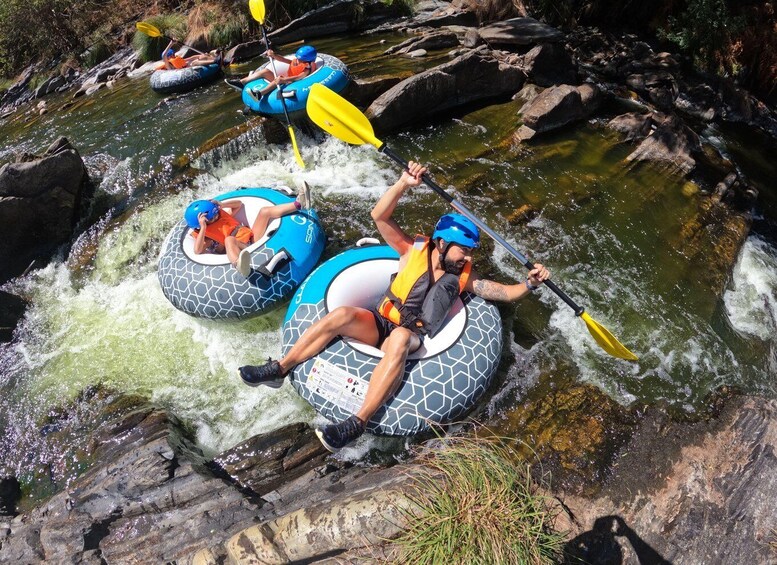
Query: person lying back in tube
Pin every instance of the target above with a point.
(172, 61)
(432, 273)
(216, 230)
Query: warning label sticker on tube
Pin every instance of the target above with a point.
(337, 386)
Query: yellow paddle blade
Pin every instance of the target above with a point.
(296, 149)
(335, 115)
(257, 10)
(606, 340)
(148, 29)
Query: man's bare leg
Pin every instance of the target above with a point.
(388, 374)
(347, 321)
(384, 382)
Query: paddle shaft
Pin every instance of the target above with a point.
(184, 45)
(275, 72)
(461, 208)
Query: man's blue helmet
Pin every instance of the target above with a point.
(169, 53)
(200, 207)
(306, 54)
(456, 228)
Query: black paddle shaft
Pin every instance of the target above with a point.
(459, 207)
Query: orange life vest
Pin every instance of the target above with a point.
(224, 226)
(178, 62)
(297, 67)
(409, 287)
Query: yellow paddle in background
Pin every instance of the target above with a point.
(257, 12)
(153, 31)
(343, 120)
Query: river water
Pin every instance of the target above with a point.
(608, 231)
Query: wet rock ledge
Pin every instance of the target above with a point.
(152, 497)
(677, 492)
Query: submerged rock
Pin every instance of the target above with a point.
(556, 107)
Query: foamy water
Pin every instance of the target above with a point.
(751, 303)
(113, 326)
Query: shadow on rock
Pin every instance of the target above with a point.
(599, 545)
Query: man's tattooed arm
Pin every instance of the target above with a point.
(490, 290)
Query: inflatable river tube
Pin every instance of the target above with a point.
(330, 71)
(208, 286)
(443, 379)
(167, 81)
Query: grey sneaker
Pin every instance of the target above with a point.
(337, 436)
(303, 195)
(244, 263)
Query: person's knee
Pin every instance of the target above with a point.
(340, 317)
(400, 341)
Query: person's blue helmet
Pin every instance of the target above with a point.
(169, 53)
(306, 54)
(456, 228)
(200, 207)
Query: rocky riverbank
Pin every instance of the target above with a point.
(632, 484)
(680, 492)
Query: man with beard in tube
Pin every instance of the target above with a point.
(432, 273)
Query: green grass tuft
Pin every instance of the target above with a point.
(478, 504)
(229, 32)
(150, 48)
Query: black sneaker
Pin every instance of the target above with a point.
(254, 95)
(269, 374)
(337, 436)
(234, 83)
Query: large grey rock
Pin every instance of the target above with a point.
(341, 16)
(549, 64)
(686, 493)
(362, 92)
(556, 107)
(262, 463)
(12, 309)
(476, 75)
(633, 125)
(359, 517)
(148, 500)
(244, 51)
(40, 203)
(18, 93)
(519, 32)
(440, 39)
(50, 85)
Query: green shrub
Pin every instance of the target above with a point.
(96, 54)
(150, 48)
(35, 29)
(478, 504)
(229, 32)
(703, 31)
